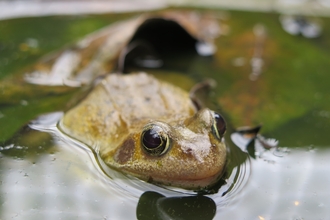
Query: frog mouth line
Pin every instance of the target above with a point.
(208, 181)
(193, 184)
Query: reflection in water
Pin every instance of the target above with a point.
(298, 191)
(66, 180)
(154, 206)
(61, 185)
(290, 187)
(54, 187)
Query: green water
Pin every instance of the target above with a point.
(290, 98)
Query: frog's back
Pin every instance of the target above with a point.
(122, 103)
(139, 96)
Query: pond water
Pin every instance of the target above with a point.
(46, 175)
(63, 179)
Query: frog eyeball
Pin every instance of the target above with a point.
(154, 140)
(219, 125)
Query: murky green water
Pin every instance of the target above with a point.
(45, 175)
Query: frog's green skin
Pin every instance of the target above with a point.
(114, 115)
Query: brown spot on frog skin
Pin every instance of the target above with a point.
(125, 152)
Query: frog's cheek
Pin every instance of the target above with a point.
(125, 152)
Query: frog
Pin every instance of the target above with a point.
(150, 129)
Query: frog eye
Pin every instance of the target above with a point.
(154, 140)
(219, 125)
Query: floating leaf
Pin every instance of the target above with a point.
(108, 49)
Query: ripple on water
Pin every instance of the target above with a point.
(73, 182)
(130, 186)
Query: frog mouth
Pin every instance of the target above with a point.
(197, 183)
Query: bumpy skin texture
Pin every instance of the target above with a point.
(114, 115)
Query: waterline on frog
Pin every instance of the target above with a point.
(129, 185)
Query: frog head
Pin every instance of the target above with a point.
(190, 153)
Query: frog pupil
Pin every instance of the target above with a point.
(151, 139)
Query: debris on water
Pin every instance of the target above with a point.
(298, 24)
(267, 142)
(250, 141)
(249, 132)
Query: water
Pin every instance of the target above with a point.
(70, 177)
(66, 180)
(291, 187)
(46, 175)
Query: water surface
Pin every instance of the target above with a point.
(45, 175)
